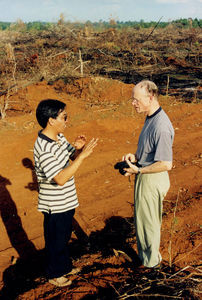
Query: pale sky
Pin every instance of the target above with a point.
(95, 10)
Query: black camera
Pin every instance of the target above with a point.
(121, 166)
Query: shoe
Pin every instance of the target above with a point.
(60, 281)
(73, 271)
(155, 274)
(142, 269)
(145, 269)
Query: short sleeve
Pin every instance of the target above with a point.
(164, 147)
(71, 150)
(49, 165)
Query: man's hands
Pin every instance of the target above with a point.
(82, 149)
(88, 149)
(130, 158)
(132, 170)
(63, 176)
(80, 142)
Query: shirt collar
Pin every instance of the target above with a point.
(155, 113)
(45, 137)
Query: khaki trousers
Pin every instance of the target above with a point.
(150, 190)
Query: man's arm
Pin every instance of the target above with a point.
(157, 167)
(76, 154)
(79, 144)
(63, 176)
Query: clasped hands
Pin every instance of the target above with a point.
(130, 159)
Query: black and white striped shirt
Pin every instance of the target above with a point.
(50, 158)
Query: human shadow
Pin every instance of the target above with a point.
(116, 238)
(111, 238)
(12, 222)
(22, 277)
(19, 240)
(27, 163)
(141, 285)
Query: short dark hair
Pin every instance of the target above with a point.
(48, 108)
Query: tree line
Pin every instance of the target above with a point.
(39, 25)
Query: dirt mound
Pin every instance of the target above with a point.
(96, 89)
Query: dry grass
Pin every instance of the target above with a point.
(65, 52)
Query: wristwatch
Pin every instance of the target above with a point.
(139, 171)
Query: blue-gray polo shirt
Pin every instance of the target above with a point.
(156, 139)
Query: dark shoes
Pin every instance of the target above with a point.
(152, 273)
(143, 268)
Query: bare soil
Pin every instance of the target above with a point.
(103, 240)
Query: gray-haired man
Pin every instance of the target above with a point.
(152, 159)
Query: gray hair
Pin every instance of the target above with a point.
(149, 86)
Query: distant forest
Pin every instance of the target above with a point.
(38, 25)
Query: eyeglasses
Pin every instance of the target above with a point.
(62, 117)
(134, 100)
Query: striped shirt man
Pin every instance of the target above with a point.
(50, 158)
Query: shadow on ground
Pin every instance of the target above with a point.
(148, 284)
(27, 274)
(113, 236)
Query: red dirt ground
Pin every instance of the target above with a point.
(97, 108)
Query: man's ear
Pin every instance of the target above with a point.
(51, 121)
(151, 97)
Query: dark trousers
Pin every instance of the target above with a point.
(57, 233)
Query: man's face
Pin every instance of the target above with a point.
(60, 122)
(140, 99)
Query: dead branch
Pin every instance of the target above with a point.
(185, 268)
(57, 54)
(147, 296)
(188, 253)
(153, 29)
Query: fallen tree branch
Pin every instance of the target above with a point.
(153, 29)
(188, 253)
(149, 295)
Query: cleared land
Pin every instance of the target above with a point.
(98, 107)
